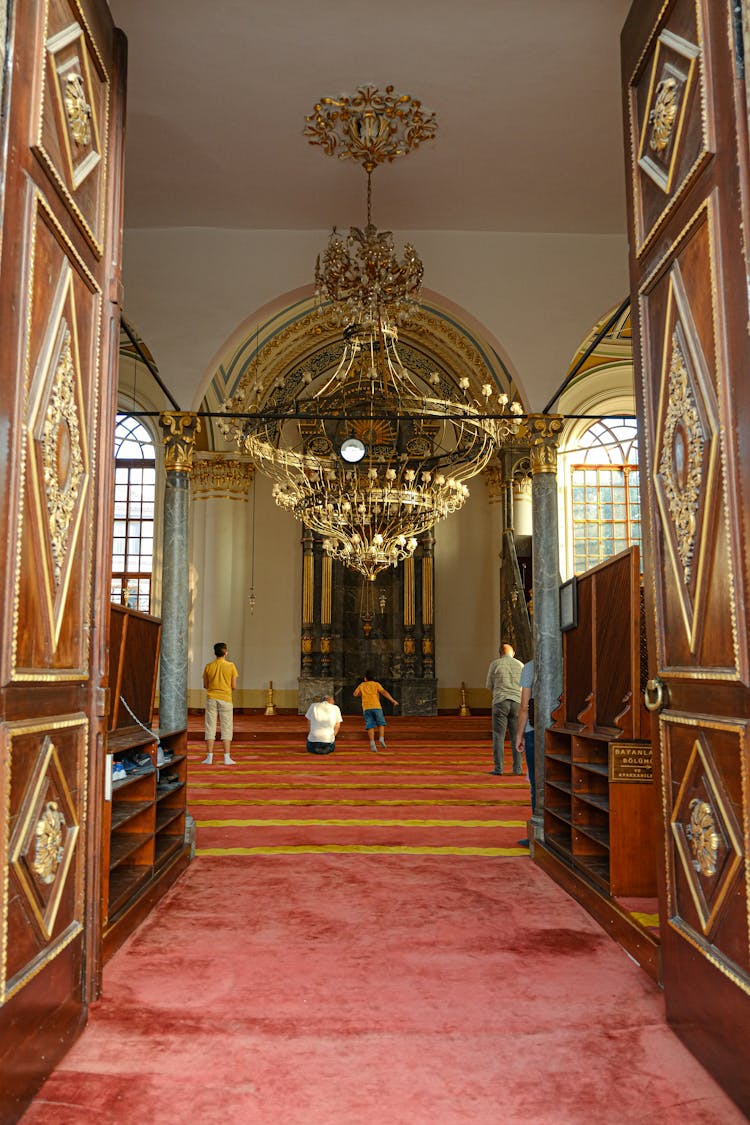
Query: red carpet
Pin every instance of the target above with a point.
(424, 986)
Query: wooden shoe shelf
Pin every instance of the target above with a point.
(143, 821)
(599, 800)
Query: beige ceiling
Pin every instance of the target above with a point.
(526, 94)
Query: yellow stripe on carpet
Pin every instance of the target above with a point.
(347, 785)
(357, 823)
(646, 920)
(359, 849)
(359, 802)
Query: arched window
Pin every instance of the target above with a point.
(133, 532)
(606, 499)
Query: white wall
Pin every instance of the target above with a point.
(537, 295)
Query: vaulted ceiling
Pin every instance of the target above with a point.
(526, 96)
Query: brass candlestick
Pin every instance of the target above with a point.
(463, 710)
(270, 709)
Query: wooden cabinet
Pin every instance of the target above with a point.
(599, 801)
(145, 801)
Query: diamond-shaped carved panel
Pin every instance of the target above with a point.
(708, 840)
(44, 840)
(58, 452)
(71, 140)
(672, 133)
(686, 455)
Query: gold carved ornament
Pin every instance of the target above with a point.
(543, 433)
(62, 457)
(662, 116)
(78, 110)
(180, 431)
(221, 474)
(370, 127)
(50, 844)
(704, 839)
(681, 459)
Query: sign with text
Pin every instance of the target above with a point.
(631, 761)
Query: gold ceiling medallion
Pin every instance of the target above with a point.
(62, 457)
(375, 453)
(78, 110)
(704, 839)
(370, 127)
(681, 463)
(50, 843)
(662, 116)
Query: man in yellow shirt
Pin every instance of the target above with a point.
(219, 680)
(370, 691)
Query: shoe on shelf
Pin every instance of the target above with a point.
(118, 771)
(229, 761)
(207, 761)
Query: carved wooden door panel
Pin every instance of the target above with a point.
(59, 279)
(686, 136)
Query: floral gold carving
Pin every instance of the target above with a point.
(78, 110)
(62, 456)
(307, 643)
(180, 431)
(409, 646)
(221, 474)
(682, 457)
(704, 839)
(543, 433)
(49, 843)
(663, 115)
(370, 127)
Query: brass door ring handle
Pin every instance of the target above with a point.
(656, 694)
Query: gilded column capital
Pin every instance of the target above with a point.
(180, 428)
(543, 433)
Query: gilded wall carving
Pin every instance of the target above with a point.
(681, 464)
(62, 456)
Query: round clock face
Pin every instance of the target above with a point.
(352, 449)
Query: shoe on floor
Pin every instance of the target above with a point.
(523, 843)
(382, 743)
(207, 762)
(496, 773)
(229, 761)
(373, 747)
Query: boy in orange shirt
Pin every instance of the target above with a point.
(370, 691)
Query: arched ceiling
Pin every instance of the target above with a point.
(299, 337)
(526, 96)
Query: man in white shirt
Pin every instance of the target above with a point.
(324, 719)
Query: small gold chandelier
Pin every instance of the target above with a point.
(373, 454)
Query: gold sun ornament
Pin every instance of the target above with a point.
(662, 116)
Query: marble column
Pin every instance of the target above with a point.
(544, 432)
(179, 433)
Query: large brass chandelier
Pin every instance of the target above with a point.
(370, 454)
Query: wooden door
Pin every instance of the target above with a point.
(686, 140)
(61, 158)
